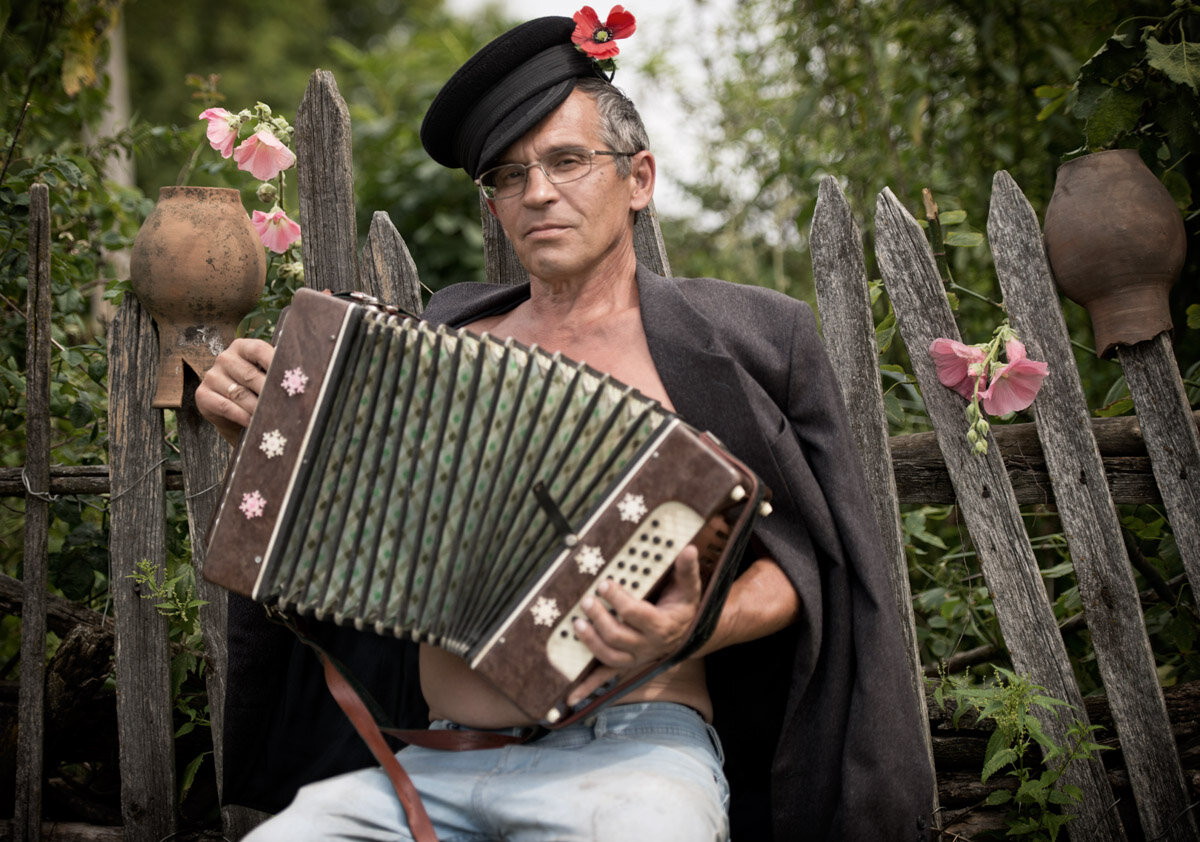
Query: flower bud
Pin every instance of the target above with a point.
(266, 193)
(981, 447)
(972, 436)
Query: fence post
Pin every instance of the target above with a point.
(1089, 520)
(1172, 442)
(27, 817)
(986, 499)
(844, 303)
(138, 533)
(325, 185)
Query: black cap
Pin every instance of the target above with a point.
(502, 92)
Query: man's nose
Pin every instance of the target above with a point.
(537, 185)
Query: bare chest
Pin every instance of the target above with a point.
(618, 348)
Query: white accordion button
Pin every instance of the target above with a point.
(545, 611)
(273, 444)
(632, 507)
(294, 381)
(590, 560)
(253, 505)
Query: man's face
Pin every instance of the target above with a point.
(569, 232)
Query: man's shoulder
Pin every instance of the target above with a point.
(744, 308)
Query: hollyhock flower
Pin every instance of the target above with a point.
(1013, 385)
(959, 366)
(597, 40)
(263, 155)
(222, 130)
(275, 229)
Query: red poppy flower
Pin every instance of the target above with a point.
(598, 40)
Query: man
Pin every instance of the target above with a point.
(803, 676)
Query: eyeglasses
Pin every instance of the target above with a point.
(561, 166)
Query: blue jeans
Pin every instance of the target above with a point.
(647, 771)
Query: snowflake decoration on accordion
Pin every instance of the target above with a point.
(632, 507)
(294, 381)
(273, 444)
(545, 611)
(589, 559)
(253, 505)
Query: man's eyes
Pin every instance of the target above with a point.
(567, 160)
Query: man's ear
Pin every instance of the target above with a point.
(642, 172)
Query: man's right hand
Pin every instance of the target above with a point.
(229, 391)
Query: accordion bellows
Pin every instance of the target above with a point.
(449, 488)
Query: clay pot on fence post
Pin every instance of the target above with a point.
(198, 266)
(1116, 242)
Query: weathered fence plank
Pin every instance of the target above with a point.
(1089, 520)
(325, 182)
(27, 816)
(844, 302)
(1174, 446)
(387, 270)
(144, 704)
(204, 455)
(986, 501)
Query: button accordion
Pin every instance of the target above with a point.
(458, 490)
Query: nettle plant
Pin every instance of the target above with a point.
(1038, 806)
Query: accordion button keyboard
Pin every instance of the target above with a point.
(637, 566)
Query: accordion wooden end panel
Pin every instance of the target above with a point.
(450, 488)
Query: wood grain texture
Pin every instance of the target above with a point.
(848, 329)
(387, 269)
(144, 703)
(27, 815)
(1089, 520)
(1173, 444)
(986, 500)
(205, 457)
(325, 182)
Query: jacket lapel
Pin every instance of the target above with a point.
(697, 371)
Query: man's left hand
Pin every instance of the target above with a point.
(636, 632)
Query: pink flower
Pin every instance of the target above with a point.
(263, 156)
(596, 39)
(1014, 384)
(222, 130)
(958, 366)
(275, 229)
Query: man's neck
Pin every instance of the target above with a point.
(584, 303)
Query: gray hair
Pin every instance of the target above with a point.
(621, 127)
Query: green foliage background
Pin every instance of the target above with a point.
(910, 94)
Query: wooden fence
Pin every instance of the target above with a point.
(1056, 459)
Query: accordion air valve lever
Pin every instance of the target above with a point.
(449, 488)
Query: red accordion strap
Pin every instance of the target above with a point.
(354, 708)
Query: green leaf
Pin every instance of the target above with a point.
(1116, 113)
(998, 761)
(963, 238)
(953, 217)
(1180, 62)
(189, 775)
(1124, 406)
(997, 797)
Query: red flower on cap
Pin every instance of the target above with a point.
(598, 40)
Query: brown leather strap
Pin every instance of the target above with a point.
(466, 740)
(350, 703)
